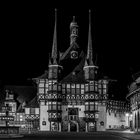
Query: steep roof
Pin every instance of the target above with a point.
(77, 75)
(33, 103)
(23, 93)
(43, 76)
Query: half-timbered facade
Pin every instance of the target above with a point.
(71, 96)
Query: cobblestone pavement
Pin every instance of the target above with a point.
(125, 134)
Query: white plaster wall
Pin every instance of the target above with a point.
(64, 111)
(27, 110)
(116, 122)
(44, 117)
(102, 117)
(36, 110)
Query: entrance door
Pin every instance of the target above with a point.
(73, 127)
(92, 127)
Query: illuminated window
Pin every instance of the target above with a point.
(32, 110)
(41, 85)
(91, 87)
(82, 91)
(68, 85)
(77, 85)
(55, 87)
(86, 87)
(82, 86)
(41, 90)
(72, 85)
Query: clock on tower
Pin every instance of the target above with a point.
(74, 54)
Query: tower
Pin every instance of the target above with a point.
(73, 39)
(49, 92)
(91, 90)
(54, 88)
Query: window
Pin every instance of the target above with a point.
(59, 107)
(82, 86)
(86, 107)
(77, 91)
(77, 85)
(104, 85)
(96, 86)
(73, 91)
(41, 90)
(50, 87)
(63, 85)
(68, 90)
(55, 87)
(41, 85)
(82, 91)
(63, 91)
(91, 87)
(104, 91)
(59, 87)
(54, 106)
(32, 110)
(46, 85)
(68, 85)
(86, 87)
(72, 85)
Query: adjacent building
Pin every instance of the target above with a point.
(134, 97)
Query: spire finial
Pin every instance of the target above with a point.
(54, 47)
(73, 18)
(89, 51)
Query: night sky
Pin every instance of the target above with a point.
(27, 34)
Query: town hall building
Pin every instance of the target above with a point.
(75, 101)
(71, 96)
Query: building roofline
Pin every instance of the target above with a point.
(131, 93)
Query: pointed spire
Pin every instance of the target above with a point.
(89, 51)
(54, 47)
(86, 64)
(73, 18)
(50, 59)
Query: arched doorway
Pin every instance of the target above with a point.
(73, 126)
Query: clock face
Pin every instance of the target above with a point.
(74, 31)
(92, 71)
(74, 54)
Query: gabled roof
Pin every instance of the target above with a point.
(33, 103)
(23, 93)
(43, 76)
(72, 46)
(77, 75)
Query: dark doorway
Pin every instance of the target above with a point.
(73, 127)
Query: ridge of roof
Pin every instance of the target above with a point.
(33, 103)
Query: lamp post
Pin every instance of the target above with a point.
(127, 115)
(129, 118)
